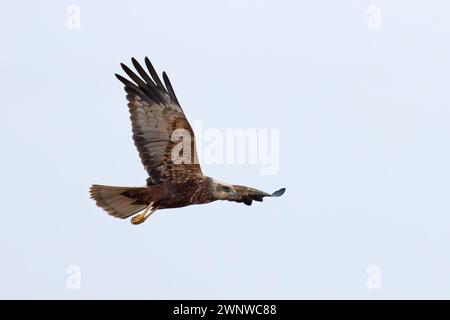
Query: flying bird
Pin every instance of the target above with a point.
(175, 179)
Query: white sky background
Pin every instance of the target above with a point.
(364, 149)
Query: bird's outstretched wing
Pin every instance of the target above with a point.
(161, 132)
(247, 195)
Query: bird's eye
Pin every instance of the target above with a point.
(226, 188)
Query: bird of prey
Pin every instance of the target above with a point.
(156, 116)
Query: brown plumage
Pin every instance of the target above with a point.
(175, 179)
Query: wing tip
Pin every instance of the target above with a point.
(278, 193)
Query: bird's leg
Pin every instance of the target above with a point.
(150, 213)
(141, 217)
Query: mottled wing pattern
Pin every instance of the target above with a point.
(247, 195)
(155, 115)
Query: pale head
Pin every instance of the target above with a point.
(223, 190)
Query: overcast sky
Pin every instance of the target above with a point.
(356, 90)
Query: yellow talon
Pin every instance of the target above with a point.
(138, 219)
(141, 217)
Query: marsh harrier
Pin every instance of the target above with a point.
(172, 183)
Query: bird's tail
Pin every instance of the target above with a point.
(120, 202)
